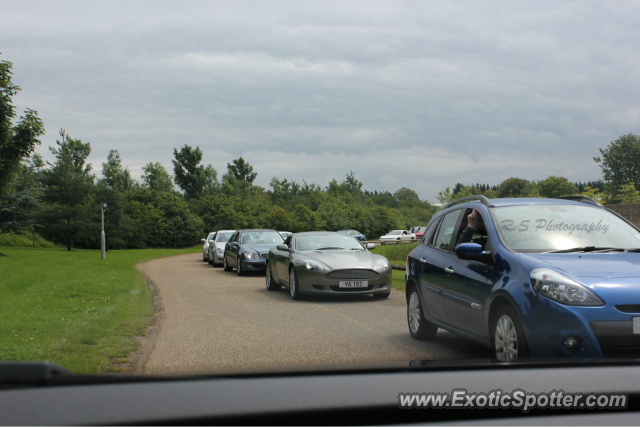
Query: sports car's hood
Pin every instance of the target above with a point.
(338, 260)
(610, 264)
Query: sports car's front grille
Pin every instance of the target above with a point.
(264, 255)
(620, 346)
(339, 289)
(352, 274)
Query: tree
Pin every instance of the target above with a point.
(19, 141)
(242, 172)
(512, 187)
(155, 177)
(114, 175)
(620, 162)
(67, 185)
(445, 196)
(629, 194)
(592, 193)
(556, 186)
(192, 177)
(16, 211)
(407, 197)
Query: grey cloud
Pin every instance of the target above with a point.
(417, 94)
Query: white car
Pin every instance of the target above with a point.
(205, 249)
(216, 249)
(396, 236)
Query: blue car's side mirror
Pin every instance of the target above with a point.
(468, 251)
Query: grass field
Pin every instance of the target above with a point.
(24, 240)
(397, 280)
(74, 308)
(397, 254)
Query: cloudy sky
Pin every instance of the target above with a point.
(403, 93)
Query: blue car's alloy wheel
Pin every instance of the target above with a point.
(420, 328)
(508, 336)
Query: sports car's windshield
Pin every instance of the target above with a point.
(543, 228)
(223, 237)
(327, 242)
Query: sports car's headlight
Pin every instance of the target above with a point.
(251, 255)
(381, 265)
(311, 265)
(559, 288)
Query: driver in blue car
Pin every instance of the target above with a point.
(472, 224)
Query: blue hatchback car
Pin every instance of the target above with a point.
(529, 278)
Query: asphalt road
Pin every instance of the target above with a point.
(215, 321)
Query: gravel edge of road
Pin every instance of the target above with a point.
(147, 341)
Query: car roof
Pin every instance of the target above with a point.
(538, 201)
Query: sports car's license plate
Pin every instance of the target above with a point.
(636, 325)
(353, 284)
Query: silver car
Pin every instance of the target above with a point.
(205, 249)
(216, 248)
(327, 263)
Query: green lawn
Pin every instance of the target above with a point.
(397, 279)
(74, 308)
(397, 254)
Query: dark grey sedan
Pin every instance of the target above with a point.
(327, 263)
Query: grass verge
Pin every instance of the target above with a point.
(74, 308)
(397, 254)
(397, 279)
(24, 241)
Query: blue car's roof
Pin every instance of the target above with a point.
(536, 201)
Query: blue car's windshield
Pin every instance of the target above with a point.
(542, 228)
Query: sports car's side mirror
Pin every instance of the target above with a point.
(283, 248)
(371, 246)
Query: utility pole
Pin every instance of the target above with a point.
(102, 238)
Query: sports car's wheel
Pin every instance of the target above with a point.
(239, 267)
(419, 327)
(508, 335)
(294, 286)
(224, 263)
(271, 285)
(382, 296)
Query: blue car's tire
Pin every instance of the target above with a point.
(508, 336)
(419, 327)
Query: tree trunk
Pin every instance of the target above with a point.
(69, 234)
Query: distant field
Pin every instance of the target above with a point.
(397, 254)
(74, 308)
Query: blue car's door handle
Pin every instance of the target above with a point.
(424, 261)
(449, 270)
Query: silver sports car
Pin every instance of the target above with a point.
(327, 263)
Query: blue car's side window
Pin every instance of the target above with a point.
(445, 232)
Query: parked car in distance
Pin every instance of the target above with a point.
(216, 248)
(327, 263)
(396, 236)
(355, 233)
(419, 231)
(247, 250)
(205, 248)
(529, 278)
(285, 234)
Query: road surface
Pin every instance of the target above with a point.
(215, 321)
